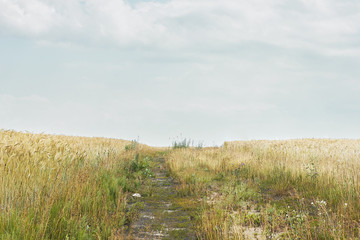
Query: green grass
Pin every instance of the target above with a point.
(57, 187)
(242, 201)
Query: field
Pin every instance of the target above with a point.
(60, 187)
(295, 189)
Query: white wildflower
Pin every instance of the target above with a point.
(136, 195)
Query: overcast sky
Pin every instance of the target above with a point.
(211, 70)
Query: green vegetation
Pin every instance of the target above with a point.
(165, 213)
(58, 187)
(187, 143)
(132, 146)
(273, 189)
(181, 144)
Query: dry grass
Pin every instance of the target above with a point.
(338, 159)
(307, 189)
(59, 187)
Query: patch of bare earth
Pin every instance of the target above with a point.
(165, 215)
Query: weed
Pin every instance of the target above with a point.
(132, 146)
(59, 187)
(181, 144)
(140, 166)
(270, 185)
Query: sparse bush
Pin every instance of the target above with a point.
(141, 165)
(187, 143)
(132, 146)
(181, 144)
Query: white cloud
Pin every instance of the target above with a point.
(29, 16)
(312, 24)
(218, 68)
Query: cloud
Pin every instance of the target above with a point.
(215, 68)
(27, 17)
(331, 27)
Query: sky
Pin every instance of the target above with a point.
(163, 70)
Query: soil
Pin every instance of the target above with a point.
(165, 214)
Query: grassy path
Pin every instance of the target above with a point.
(60, 187)
(165, 214)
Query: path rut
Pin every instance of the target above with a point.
(165, 214)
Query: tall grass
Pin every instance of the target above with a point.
(59, 187)
(306, 189)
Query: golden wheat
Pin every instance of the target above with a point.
(318, 179)
(49, 184)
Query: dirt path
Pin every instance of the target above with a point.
(165, 214)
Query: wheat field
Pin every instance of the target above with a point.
(54, 187)
(338, 159)
(63, 187)
(283, 189)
